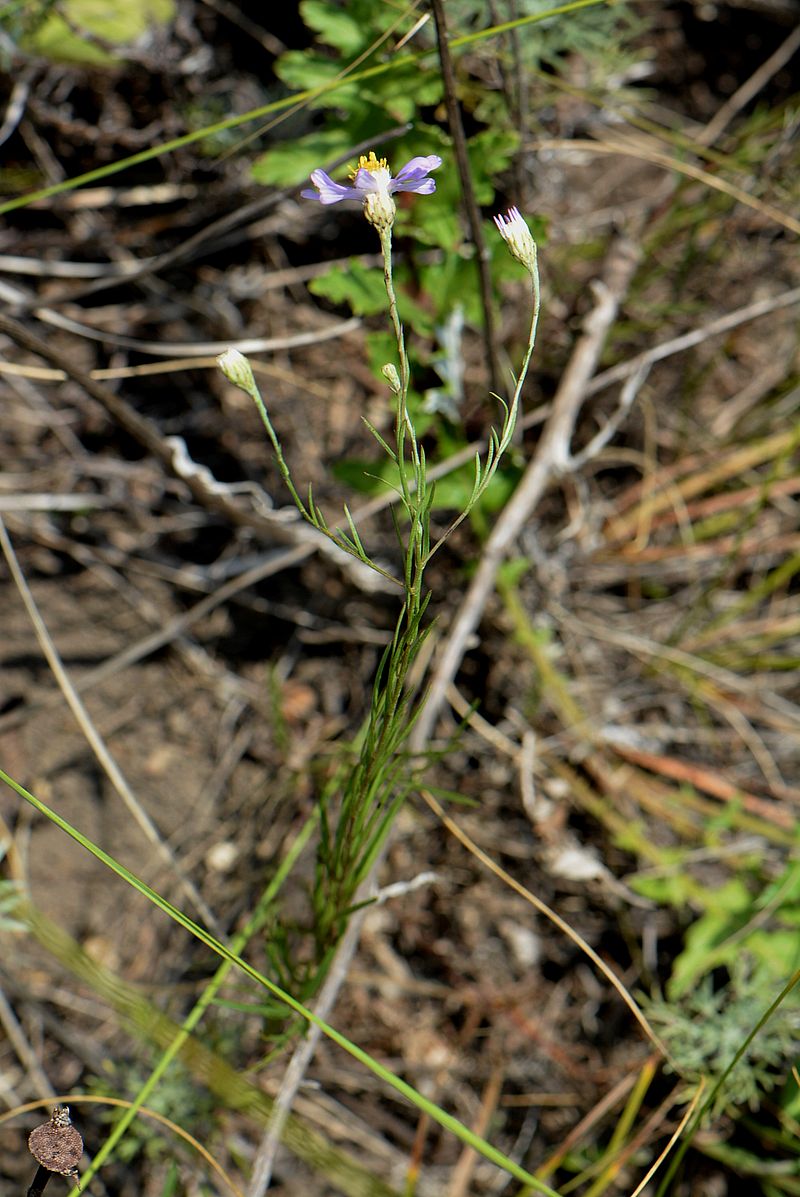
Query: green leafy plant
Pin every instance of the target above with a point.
(740, 915)
(706, 1028)
(84, 31)
(177, 1098)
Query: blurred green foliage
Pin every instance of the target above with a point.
(10, 898)
(82, 31)
(177, 1098)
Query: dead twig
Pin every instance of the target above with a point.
(749, 89)
(715, 328)
(283, 526)
(15, 109)
(468, 191)
(465, 1168)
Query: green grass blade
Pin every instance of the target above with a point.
(395, 1082)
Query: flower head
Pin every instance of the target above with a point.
(236, 368)
(518, 238)
(374, 185)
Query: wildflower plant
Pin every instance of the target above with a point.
(374, 781)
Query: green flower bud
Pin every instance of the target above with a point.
(389, 372)
(237, 369)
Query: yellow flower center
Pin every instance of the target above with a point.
(370, 162)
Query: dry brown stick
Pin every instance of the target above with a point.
(172, 453)
(464, 1170)
(15, 109)
(695, 336)
(551, 458)
(200, 349)
(24, 1051)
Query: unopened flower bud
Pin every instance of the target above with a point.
(389, 372)
(518, 238)
(237, 369)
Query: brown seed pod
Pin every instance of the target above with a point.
(56, 1145)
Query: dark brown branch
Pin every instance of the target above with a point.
(39, 1181)
(468, 191)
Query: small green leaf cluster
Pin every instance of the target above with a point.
(177, 1097)
(705, 1029)
(749, 932)
(732, 919)
(365, 32)
(80, 31)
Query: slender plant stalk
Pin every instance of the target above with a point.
(457, 134)
(375, 787)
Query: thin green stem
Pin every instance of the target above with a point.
(255, 395)
(403, 426)
(499, 445)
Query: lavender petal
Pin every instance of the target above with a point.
(328, 192)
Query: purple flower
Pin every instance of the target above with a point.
(374, 185)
